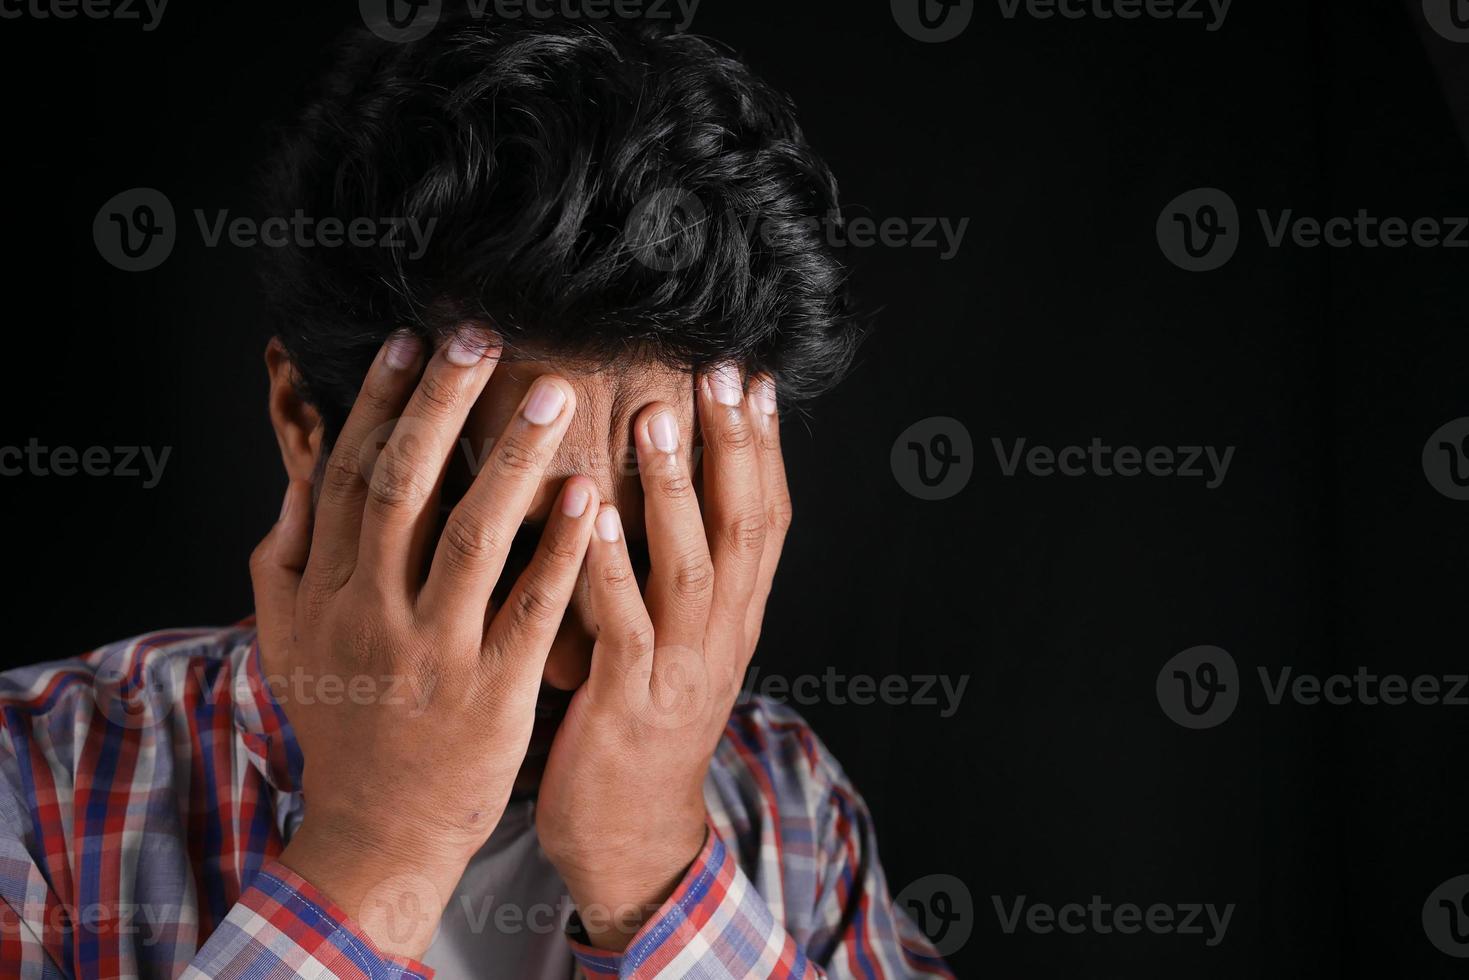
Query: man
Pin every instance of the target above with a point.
(485, 721)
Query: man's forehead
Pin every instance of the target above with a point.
(598, 443)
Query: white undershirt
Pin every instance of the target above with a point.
(508, 914)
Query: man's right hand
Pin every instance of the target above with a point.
(401, 791)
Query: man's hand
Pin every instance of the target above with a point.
(621, 810)
(400, 792)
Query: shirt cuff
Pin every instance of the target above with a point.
(715, 915)
(283, 926)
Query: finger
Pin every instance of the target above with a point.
(681, 579)
(344, 479)
(406, 476)
(521, 633)
(734, 513)
(477, 535)
(623, 659)
(276, 567)
(777, 495)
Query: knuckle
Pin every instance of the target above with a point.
(516, 456)
(618, 577)
(676, 484)
(341, 478)
(394, 479)
(737, 438)
(260, 558)
(746, 533)
(635, 637)
(560, 549)
(694, 578)
(438, 395)
(532, 607)
(470, 544)
(779, 514)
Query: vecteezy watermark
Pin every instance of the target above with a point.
(1448, 18)
(1446, 459)
(124, 462)
(1446, 917)
(1103, 918)
(933, 21)
(149, 923)
(1200, 688)
(407, 234)
(941, 691)
(402, 21)
(933, 459)
(1199, 230)
(1208, 463)
(669, 229)
(148, 13)
(137, 230)
(1210, 12)
(942, 909)
(1364, 687)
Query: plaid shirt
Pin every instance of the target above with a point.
(147, 788)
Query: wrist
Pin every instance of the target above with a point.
(619, 897)
(394, 894)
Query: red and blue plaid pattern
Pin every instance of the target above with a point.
(146, 788)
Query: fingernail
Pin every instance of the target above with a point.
(762, 393)
(467, 347)
(608, 527)
(574, 501)
(664, 432)
(544, 403)
(724, 380)
(403, 348)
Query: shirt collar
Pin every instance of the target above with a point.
(263, 728)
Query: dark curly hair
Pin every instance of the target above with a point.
(598, 190)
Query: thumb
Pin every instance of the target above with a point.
(276, 567)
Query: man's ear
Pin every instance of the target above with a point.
(297, 425)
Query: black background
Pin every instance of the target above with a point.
(1059, 320)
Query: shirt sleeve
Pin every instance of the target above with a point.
(718, 926)
(282, 926)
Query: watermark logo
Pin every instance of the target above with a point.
(941, 691)
(1446, 459)
(126, 462)
(1103, 918)
(942, 908)
(149, 13)
(1446, 917)
(136, 230)
(1448, 18)
(1207, 463)
(1211, 12)
(133, 692)
(1199, 229)
(666, 229)
(1199, 688)
(400, 21)
(933, 21)
(933, 459)
(404, 908)
(675, 693)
